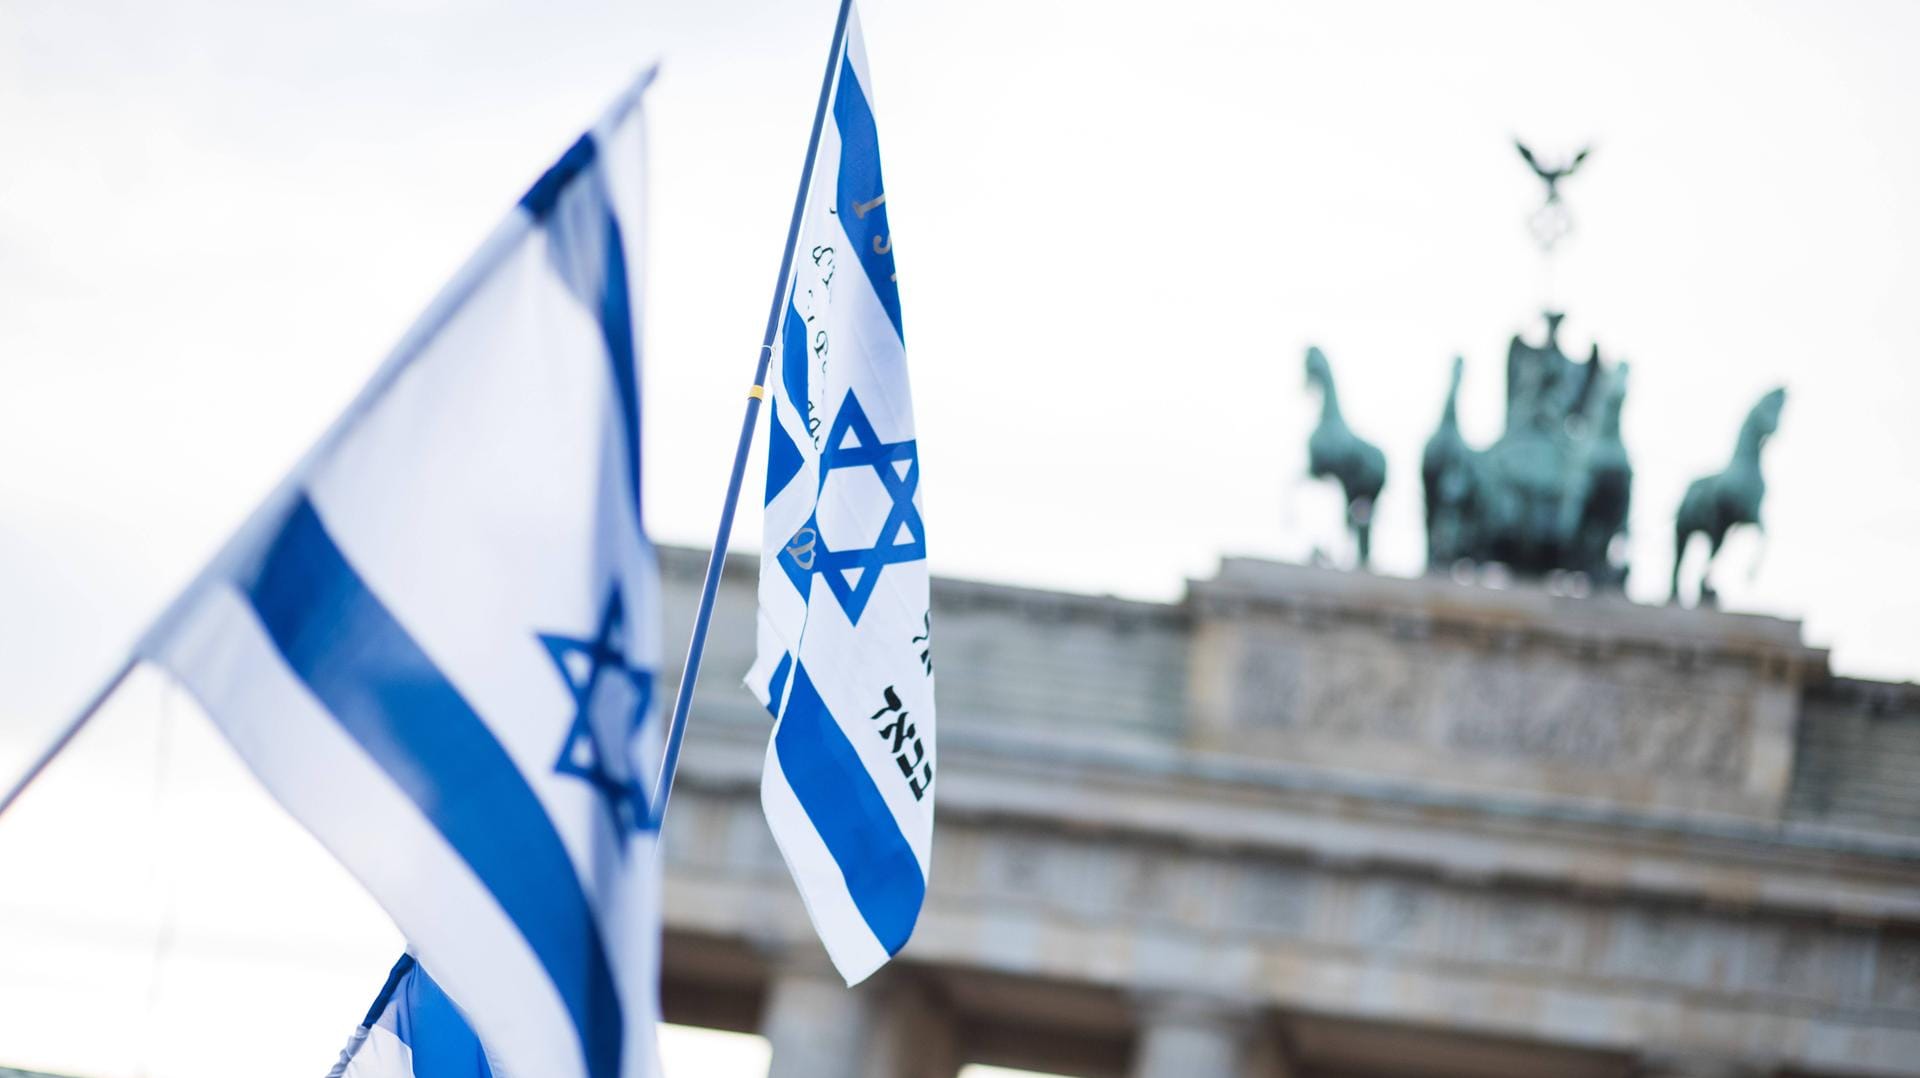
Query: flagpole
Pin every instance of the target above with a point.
(717, 560)
(67, 733)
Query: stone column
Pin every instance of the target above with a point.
(914, 1034)
(887, 1027)
(1185, 1036)
(813, 1023)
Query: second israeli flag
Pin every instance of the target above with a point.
(845, 661)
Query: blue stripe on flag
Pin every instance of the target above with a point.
(400, 969)
(862, 212)
(436, 1033)
(540, 198)
(600, 284)
(777, 684)
(384, 691)
(783, 456)
(793, 363)
(616, 326)
(847, 810)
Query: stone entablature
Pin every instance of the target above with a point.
(1184, 911)
(1738, 961)
(1121, 815)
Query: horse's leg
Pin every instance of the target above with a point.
(1681, 533)
(1360, 518)
(1708, 596)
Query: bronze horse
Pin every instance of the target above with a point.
(1334, 451)
(1717, 502)
(1448, 471)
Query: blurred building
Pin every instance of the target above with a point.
(1310, 823)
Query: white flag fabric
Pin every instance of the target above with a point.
(844, 636)
(413, 1031)
(436, 644)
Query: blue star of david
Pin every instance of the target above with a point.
(852, 574)
(610, 700)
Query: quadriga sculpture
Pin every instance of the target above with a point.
(1715, 503)
(1550, 495)
(1334, 451)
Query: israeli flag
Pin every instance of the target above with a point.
(413, 1031)
(436, 644)
(845, 661)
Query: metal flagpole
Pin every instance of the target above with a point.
(67, 733)
(716, 562)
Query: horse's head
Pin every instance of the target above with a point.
(1765, 417)
(1319, 372)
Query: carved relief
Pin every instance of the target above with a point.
(1540, 708)
(1655, 945)
(1343, 693)
(1532, 714)
(1363, 694)
(1272, 899)
(1394, 915)
(1267, 686)
(1531, 931)
(1102, 877)
(1155, 894)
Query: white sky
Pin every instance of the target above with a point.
(1118, 226)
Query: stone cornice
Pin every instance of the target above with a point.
(1162, 794)
(1592, 627)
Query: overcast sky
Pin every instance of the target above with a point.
(1117, 225)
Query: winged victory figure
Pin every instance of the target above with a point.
(1552, 176)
